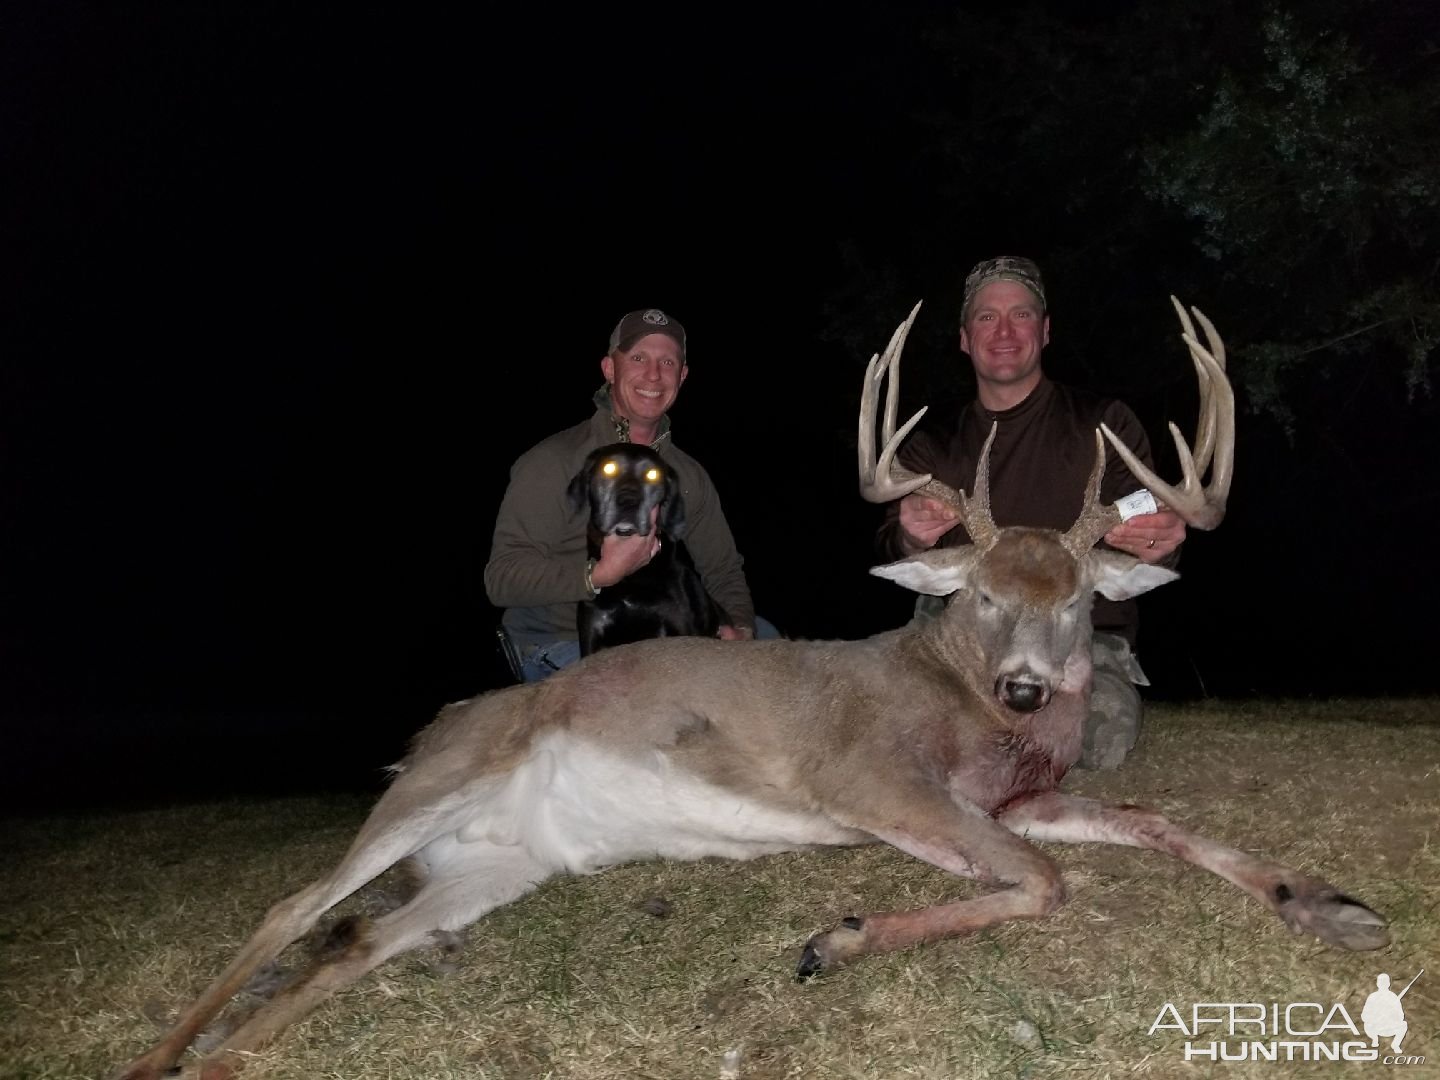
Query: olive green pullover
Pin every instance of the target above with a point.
(536, 570)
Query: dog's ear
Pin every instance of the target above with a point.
(672, 510)
(578, 493)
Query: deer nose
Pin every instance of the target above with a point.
(1021, 694)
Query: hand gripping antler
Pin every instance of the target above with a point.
(882, 480)
(1201, 507)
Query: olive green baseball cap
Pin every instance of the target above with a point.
(638, 324)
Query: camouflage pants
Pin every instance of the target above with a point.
(1115, 707)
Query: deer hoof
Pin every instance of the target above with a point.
(1339, 920)
(811, 963)
(1336, 919)
(829, 950)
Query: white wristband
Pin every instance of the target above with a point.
(1137, 502)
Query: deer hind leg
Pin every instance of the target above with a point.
(1306, 904)
(466, 882)
(284, 923)
(964, 842)
(386, 837)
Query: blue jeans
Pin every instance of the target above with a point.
(541, 661)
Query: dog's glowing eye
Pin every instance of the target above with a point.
(652, 475)
(609, 468)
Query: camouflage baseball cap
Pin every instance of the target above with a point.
(638, 324)
(1002, 268)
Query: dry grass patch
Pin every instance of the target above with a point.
(112, 921)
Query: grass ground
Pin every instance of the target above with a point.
(111, 921)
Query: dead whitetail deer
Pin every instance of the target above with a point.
(946, 740)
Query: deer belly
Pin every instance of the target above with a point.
(579, 806)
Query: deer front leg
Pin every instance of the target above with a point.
(964, 842)
(1306, 904)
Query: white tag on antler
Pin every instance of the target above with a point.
(1137, 502)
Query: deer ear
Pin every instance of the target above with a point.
(1119, 577)
(935, 573)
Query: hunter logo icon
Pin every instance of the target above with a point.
(1383, 1015)
(655, 317)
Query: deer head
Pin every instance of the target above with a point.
(1021, 597)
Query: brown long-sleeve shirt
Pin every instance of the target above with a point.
(1039, 466)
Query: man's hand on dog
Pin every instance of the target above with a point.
(621, 556)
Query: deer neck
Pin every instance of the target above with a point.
(952, 649)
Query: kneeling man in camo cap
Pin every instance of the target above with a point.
(1039, 465)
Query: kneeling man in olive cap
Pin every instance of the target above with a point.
(539, 566)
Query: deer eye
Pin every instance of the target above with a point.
(986, 600)
(652, 475)
(609, 468)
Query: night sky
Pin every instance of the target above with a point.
(286, 291)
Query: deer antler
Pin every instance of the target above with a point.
(1202, 507)
(881, 480)
(1096, 518)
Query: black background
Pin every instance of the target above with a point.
(287, 289)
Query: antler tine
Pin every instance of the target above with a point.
(1096, 518)
(891, 365)
(1205, 430)
(1205, 436)
(882, 480)
(877, 480)
(1217, 399)
(975, 510)
(1202, 507)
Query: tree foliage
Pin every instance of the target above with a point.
(1311, 178)
(1276, 166)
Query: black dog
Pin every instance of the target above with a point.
(623, 483)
